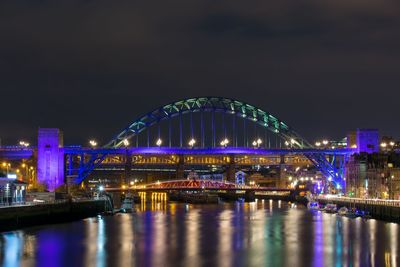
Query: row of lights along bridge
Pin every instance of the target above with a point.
(192, 142)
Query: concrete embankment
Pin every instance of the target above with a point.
(375, 209)
(15, 217)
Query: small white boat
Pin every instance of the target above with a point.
(351, 214)
(127, 205)
(330, 208)
(343, 211)
(313, 205)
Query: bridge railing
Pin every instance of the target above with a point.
(368, 201)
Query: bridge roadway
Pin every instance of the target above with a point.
(16, 152)
(204, 151)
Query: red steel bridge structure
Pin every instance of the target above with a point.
(195, 185)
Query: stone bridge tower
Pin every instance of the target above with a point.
(50, 162)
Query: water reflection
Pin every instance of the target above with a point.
(101, 239)
(394, 245)
(127, 242)
(192, 239)
(225, 238)
(318, 240)
(158, 233)
(293, 247)
(12, 247)
(372, 241)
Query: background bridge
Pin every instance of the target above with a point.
(211, 136)
(206, 131)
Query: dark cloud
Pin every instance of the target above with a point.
(91, 67)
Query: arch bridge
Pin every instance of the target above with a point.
(205, 131)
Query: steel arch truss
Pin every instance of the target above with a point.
(210, 104)
(214, 104)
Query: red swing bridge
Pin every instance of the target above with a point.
(196, 185)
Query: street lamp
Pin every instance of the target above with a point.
(93, 143)
(192, 142)
(23, 143)
(125, 142)
(254, 143)
(30, 173)
(26, 170)
(259, 142)
(224, 142)
(317, 144)
(7, 166)
(325, 142)
(159, 142)
(291, 143)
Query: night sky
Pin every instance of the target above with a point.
(92, 67)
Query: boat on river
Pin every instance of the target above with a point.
(351, 214)
(330, 208)
(127, 205)
(363, 214)
(313, 205)
(343, 211)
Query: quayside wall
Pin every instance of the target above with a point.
(15, 217)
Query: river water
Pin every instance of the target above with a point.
(264, 233)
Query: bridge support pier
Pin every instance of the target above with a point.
(281, 182)
(180, 168)
(128, 168)
(230, 170)
(250, 196)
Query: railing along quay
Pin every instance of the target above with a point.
(369, 201)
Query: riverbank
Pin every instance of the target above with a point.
(15, 217)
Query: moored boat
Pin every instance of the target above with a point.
(363, 214)
(351, 214)
(313, 205)
(330, 208)
(343, 211)
(127, 205)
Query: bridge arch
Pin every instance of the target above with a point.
(210, 104)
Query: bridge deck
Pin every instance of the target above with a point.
(205, 151)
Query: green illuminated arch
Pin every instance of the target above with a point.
(210, 104)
